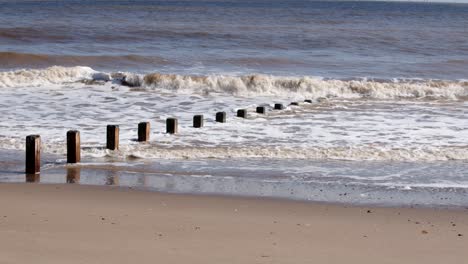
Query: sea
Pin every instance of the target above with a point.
(379, 92)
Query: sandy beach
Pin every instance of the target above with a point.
(43, 223)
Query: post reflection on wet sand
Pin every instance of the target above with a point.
(33, 178)
(112, 177)
(73, 175)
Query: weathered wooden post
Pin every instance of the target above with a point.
(198, 121)
(294, 103)
(73, 175)
(279, 107)
(143, 131)
(261, 109)
(112, 137)
(242, 113)
(221, 117)
(33, 177)
(73, 146)
(308, 101)
(33, 154)
(172, 126)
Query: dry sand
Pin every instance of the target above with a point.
(86, 224)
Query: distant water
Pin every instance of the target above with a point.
(388, 84)
(294, 37)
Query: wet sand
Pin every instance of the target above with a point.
(94, 224)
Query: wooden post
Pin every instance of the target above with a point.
(143, 131)
(198, 121)
(33, 178)
(112, 137)
(261, 109)
(172, 126)
(33, 154)
(308, 101)
(221, 117)
(294, 103)
(242, 113)
(279, 107)
(73, 175)
(73, 146)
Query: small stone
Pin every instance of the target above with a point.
(460, 235)
(369, 211)
(424, 232)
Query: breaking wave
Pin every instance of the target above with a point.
(313, 153)
(52, 75)
(248, 85)
(254, 85)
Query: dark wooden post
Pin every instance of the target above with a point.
(33, 154)
(198, 121)
(279, 107)
(261, 109)
(112, 137)
(73, 146)
(294, 103)
(172, 126)
(242, 113)
(308, 101)
(221, 117)
(143, 131)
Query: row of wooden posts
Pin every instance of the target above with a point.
(33, 142)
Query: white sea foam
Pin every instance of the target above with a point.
(304, 87)
(356, 154)
(156, 150)
(248, 85)
(348, 126)
(48, 76)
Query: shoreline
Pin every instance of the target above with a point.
(96, 224)
(345, 204)
(236, 178)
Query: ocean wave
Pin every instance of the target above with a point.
(11, 60)
(310, 87)
(52, 75)
(130, 34)
(179, 152)
(249, 85)
(29, 34)
(358, 153)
